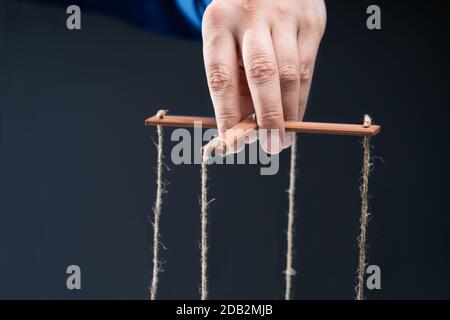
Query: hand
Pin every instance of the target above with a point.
(259, 58)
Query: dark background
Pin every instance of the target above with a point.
(77, 178)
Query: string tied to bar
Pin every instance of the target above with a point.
(204, 224)
(216, 147)
(364, 190)
(157, 208)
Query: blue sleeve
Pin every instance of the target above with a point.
(193, 11)
(181, 18)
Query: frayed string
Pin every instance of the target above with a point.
(157, 210)
(364, 190)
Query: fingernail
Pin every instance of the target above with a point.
(240, 145)
(251, 137)
(272, 144)
(220, 147)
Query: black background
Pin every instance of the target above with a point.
(77, 179)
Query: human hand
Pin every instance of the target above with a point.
(259, 58)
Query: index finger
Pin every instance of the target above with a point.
(222, 71)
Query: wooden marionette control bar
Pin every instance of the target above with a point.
(292, 126)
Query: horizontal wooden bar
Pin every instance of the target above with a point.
(292, 126)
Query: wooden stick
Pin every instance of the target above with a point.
(234, 135)
(292, 126)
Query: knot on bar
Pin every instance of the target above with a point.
(161, 113)
(367, 121)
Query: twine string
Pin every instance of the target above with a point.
(157, 210)
(364, 190)
(204, 221)
(290, 272)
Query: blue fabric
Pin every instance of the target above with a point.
(181, 18)
(193, 10)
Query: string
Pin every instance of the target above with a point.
(216, 145)
(204, 220)
(290, 272)
(157, 209)
(364, 189)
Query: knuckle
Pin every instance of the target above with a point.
(226, 118)
(306, 69)
(262, 69)
(289, 76)
(213, 17)
(220, 79)
(291, 117)
(248, 6)
(310, 19)
(282, 9)
(269, 117)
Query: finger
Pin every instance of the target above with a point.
(264, 84)
(222, 72)
(246, 101)
(246, 98)
(286, 50)
(308, 46)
